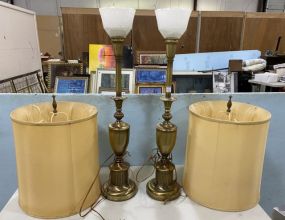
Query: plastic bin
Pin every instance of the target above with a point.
(57, 157)
(224, 154)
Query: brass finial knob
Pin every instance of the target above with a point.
(229, 104)
(54, 104)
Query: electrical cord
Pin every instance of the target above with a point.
(92, 207)
(154, 157)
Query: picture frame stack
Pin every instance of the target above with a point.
(150, 72)
(150, 80)
(59, 69)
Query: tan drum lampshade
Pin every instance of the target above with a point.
(57, 157)
(224, 154)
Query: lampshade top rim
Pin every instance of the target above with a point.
(93, 113)
(207, 118)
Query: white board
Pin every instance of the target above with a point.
(19, 44)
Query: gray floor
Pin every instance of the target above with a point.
(143, 112)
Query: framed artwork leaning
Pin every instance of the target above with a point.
(62, 69)
(106, 80)
(151, 58)
(71, 84)
(150, 88)
(150, 75)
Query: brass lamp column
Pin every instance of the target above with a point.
(119, 187)
(172, 23)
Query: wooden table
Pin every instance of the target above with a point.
(142, 207)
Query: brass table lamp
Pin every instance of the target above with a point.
(117, 23)
(172, 23)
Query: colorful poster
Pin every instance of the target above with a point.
(101, 56)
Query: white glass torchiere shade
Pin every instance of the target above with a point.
(117, 22)
(172, 22)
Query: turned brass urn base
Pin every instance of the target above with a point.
(119, 187)
(163, 187)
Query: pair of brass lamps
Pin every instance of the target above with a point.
(172, 23)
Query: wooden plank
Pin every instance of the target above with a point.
(146, 36)
(262, 32)
(242, 31)
(139, 12)
(220, 31)
(66, 10)
(265, 15)
(223, 14)
(80, 30)
(90, 11)
(187, 43)
(49, 35)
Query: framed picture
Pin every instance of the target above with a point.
(223, 82)
(151, 58)
(150, 89)
(71, 84)
(153, 75)
(62, 69)
(106, 80)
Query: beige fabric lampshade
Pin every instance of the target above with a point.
(57, 157)
(224, 154)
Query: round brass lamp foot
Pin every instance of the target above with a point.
(119, 193)
(119, 187)
(161, 193)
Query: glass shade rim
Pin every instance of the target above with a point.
(174, 8)
(114, 7)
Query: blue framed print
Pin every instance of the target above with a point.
(145, 75)
(150, 89)
(71, 84)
